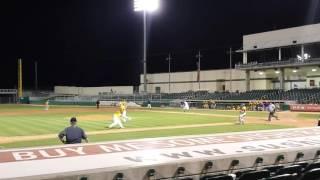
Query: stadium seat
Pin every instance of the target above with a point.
(254, 175)
(290, 170)
(118, 176)
(239, 173)
(302, 164)
(273, 169)
(313, 174)
(217, 177)
(189, 178)
(301, 95)
(312, 166)
(282, 177)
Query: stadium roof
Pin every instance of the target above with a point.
(282, 38)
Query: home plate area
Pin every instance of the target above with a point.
(276, 154)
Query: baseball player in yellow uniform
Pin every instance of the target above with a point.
(243, 113)
(123, 111)
(116, 120)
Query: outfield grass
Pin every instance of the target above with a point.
(48, 123)
(153, 134)
(220, 112)
(309, 116)
(24, 120)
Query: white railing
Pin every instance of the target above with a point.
(8, 91)
(291, 62)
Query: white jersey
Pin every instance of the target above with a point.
(271, 107)
(186, 105)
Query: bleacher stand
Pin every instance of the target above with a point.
(303, 96)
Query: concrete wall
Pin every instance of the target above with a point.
(214, 80)
(284, 37)
(93, 90)
(211, 80)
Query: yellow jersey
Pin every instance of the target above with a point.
(122, 108)
(117, 114)
(243, 109)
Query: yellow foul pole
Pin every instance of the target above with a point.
(20, 78)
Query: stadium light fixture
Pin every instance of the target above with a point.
(305, 56)
(299, 57)
(146, 5)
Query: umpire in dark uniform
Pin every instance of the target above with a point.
(72, 134)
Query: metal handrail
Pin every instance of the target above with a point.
(293, 62)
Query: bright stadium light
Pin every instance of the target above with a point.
(295, 70)
(146, 5)
(307, 56)
(261, 73)
(299, 57)
(314, 70)
(277, 72)
(304, 57)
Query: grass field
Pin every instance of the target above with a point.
(26, 126)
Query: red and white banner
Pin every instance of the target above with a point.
(114, 156)
(305, 107)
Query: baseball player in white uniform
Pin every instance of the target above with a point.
(272, 112)
(46, 105)
(242, 115)
(186, 106)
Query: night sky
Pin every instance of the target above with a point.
(99, 42)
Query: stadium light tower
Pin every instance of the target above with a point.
(145, 6)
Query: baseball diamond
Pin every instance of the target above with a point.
(160, 90)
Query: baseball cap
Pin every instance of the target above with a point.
(73, 119)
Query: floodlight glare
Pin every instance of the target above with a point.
(299, 57)
(304, 57)
(261, 73)
(146, 5)
(314, 70)
(294, 71)
(307, 56)
(277, 72)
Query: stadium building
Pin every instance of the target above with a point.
(281, 66)
(282, 59)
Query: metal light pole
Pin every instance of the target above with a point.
(145, 51)
(199, 67)
(20, 87)
(169, 70)
(230, 62)
(145, 6)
